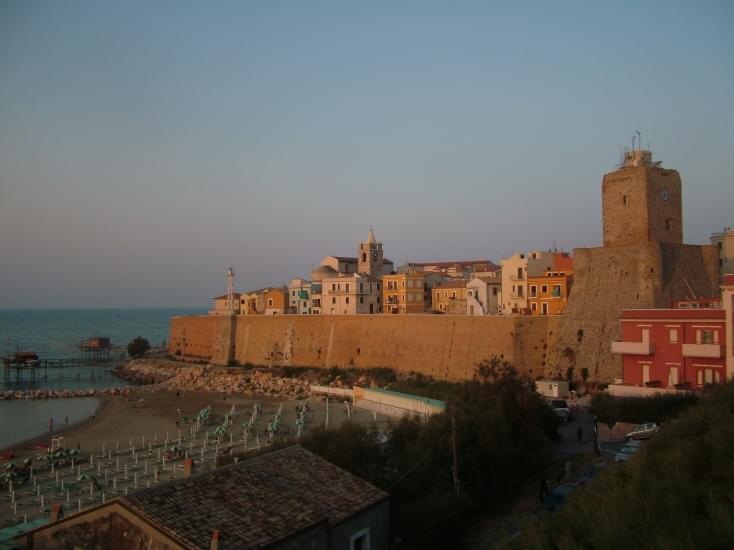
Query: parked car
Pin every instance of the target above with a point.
(628, 451)
(560, 407)
(643, 431)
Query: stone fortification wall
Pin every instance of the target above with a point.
(610, 279)
(443, 346)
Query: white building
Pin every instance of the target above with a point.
(299, 297)
(724, 240)
(484, 294)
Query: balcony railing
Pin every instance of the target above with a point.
(633, 348)
(711, 351)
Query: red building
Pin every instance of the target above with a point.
(672, 347)
(684, 348)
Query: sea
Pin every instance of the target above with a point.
(56, 334)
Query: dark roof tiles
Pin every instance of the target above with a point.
(256, 502)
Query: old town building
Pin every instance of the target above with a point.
(450, 298)
(678, 348)
(484, 293)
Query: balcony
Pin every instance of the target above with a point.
(711, 351)
(633, 348)
(516, 278)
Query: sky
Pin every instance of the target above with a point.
(146, 146)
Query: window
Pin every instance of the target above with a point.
(361, 299)
(625, 199)
(673, 336)
(364, 257)
(347, 300)
(556, 291)
(519, 273)
(293, 293)
(333, 301)
(519, 291)
(270, 303)
(533, 291)
(544, 308)
(494, 291)
(453, 295)
(533, 306)
(347, 285)
(361, 287)
(668, 225)
(333, 287)
(708, 336)
(544, 289)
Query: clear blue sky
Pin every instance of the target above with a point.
(144, 146)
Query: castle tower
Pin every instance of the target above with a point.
(643, 264)
(641, 202)
(369, 256)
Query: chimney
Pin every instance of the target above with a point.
(215, 540)
(188, 464)
(56, 513)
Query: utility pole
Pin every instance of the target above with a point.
(455, 467)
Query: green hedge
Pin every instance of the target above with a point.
(658, 408)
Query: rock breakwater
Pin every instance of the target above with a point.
(170, 375)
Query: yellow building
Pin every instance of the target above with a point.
(449, 298)
(276, 301)
(403, 293)
(548, 293)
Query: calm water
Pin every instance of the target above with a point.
(31, 416)
(54, 334)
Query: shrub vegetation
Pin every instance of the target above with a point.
(501, 429)
(138, 346)
(677, 493)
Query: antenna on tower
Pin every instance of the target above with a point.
(639, 139)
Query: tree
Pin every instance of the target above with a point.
(138, 346)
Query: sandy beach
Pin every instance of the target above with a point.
(151, 414)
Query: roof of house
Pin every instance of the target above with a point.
(256, 502)
(452, 284)
(236, 295)
(351, 259)
(665, 313)
(458, 263)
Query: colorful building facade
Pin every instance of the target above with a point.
(679, 348)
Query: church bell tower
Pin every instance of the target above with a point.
(369, 256)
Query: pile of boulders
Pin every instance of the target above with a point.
(161, 374)
(51, 394)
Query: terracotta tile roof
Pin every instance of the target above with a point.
(256, 502)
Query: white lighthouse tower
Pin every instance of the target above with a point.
(230, 290)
